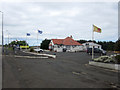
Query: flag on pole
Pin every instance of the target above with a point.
(96, 29)
(39, 31)
(28, 34)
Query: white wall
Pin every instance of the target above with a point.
(58, 49)
(90, 45)
(51, 42)
(70, 49)
(78, 48)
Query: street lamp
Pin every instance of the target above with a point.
(8, 37)
(2, 34)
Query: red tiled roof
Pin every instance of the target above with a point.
(57, 41)
(66, 41)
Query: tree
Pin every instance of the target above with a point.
(20, 43)
(45, 44)
(117, 45)
(107, 45)
(91, 41)
(110, 45)
(82, 41)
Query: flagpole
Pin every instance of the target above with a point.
(8, 36)
(37, 42)
(26, 42)
(8, 40)
(93, 43)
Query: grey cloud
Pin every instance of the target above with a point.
(64, 18)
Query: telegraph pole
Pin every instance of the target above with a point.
(2, 34)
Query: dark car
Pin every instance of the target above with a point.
(96, 50)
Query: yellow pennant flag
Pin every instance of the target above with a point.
(96, 29)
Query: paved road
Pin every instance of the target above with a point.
(68, 70)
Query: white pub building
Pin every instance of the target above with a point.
(65, 45)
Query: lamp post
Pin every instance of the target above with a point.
(2, 34)
(8, 37)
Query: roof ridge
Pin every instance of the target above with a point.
(66, 41)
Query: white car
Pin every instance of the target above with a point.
(38, 50)
(68, 50)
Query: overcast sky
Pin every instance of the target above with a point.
(60, 19)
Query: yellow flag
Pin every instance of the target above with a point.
(96, 29)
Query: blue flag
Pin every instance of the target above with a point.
(28, 34)
(39, 31)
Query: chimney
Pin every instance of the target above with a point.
(71, 36)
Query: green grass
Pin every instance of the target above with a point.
(10, 48)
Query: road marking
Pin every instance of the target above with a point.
(86, 64)
(83, 73)
(28, 57)
(77, 73)
(19, 69)
(7, 55)
(111, 70)
(25, 56)
(53, 56)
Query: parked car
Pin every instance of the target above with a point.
(64, 49)
(96, 50)
(38, 50)
(68, 50)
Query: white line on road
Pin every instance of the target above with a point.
(25, 56)
(78, 73)
(28, 57)
(53, 56)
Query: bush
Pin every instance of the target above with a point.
(105, 59)
(101, 59)
(118, 59)
(31, 49)
(109, 59)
